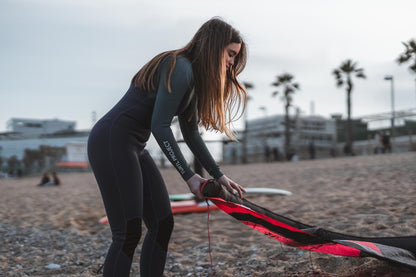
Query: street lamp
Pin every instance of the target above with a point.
(391, 78)
(247, 85)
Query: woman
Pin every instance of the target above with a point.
(198, 84)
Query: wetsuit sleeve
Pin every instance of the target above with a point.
(198, 147)
(166, 107)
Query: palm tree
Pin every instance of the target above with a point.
(409, 53)
(285, 82)
(343, 75)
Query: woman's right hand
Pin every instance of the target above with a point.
(194, 183)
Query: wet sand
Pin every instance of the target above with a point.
(363, 196)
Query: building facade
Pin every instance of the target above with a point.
(29, 128)
(264, 139)
(26, 136)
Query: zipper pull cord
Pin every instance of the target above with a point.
(209, 239)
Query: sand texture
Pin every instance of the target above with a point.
(363, 196)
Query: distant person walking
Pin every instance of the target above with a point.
(312, 150)
(276, 154)
(386, 142)
(267, 152)
(198, 84)
(378, 141)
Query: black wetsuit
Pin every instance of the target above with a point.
(131, 185)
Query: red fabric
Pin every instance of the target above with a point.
(329, 248)
(234, 208)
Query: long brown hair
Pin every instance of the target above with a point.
(217, 89)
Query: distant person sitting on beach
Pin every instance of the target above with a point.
(56, 179)
(198, 83)
(45, 180)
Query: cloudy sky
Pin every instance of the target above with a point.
(65, 59)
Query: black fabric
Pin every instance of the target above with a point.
(165, 230)
(179, 102)
(133, 234)
(301, 238)
(131, 186)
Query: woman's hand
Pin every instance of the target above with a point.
(231, 186)
(194, 184)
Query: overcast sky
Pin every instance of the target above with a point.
(65, 59)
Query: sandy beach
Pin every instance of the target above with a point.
(363, 196)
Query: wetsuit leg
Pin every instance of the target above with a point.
(114, 158)
(157, 215)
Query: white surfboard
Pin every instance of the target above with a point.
(190, 196)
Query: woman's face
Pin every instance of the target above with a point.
(230, 52)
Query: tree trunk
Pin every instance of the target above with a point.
(287, 134)
(348, 147)
(244, 158)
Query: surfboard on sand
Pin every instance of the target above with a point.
(186, 202)
(191, 206)
(183, 207)
(190, 196)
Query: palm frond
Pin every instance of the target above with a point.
(413, 67)
(347, 66)
(337, 73)
(412, 44)
(409, 52)
(345, 69)
(276, 84)
(285, 81)
(285, 78)
(406, 46)
(403, 58)
(288, 90)
(248, 85)
(361, 75)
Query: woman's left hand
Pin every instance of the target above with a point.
(231, 186)
(194, 184)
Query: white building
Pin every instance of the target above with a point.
(76, 152)
(267, 134)
(29, 128)
(29, 134)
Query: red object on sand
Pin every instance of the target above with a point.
(103, 220)
(182, 207)
(191, 206)
(72, 164)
